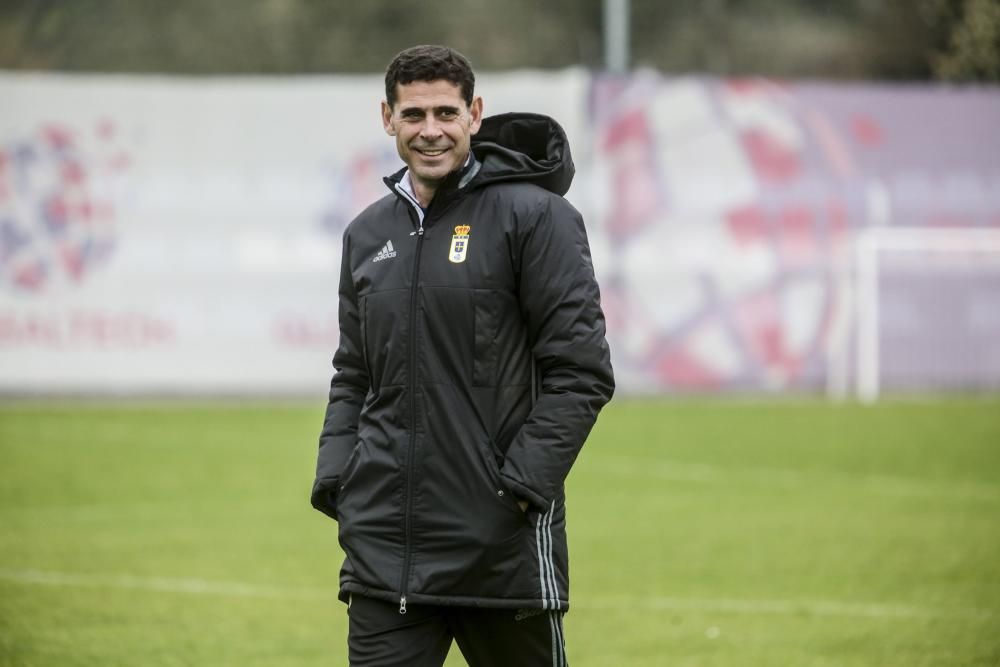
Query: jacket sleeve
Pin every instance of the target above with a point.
(560, 303)
(348, 389)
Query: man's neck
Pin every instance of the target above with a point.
(422, 191)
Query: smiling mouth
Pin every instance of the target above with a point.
(431, 152)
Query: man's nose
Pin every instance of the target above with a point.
(430, 129)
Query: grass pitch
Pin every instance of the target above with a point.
(702, 533)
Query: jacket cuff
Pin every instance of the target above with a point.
(324, 496)
(522, 492)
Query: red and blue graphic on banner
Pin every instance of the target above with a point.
(56, 211)
(729, 210)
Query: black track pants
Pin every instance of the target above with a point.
(379, 636)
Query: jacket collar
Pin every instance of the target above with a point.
(452, 184)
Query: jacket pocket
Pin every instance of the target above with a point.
(363, 317)
(486, 322)
(492, 459)
(350, 468)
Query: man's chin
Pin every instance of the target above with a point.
(432, 175)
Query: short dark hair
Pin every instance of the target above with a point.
(429, 63)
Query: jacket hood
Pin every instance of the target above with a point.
(523, 147)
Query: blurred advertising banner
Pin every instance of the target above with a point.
(182, 235)
(732, 215)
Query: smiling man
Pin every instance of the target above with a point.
(472, 365)
(433, 125)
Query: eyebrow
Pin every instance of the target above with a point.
(440, 109)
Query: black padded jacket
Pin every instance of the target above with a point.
(471, 367)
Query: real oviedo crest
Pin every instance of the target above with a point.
(459, 244)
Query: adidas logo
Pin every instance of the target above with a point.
(387, 252)
(527, 613)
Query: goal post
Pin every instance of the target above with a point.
(926, 312)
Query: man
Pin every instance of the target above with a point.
(472, 365)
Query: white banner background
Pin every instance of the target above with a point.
(195, 242)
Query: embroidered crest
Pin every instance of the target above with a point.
(459, 244)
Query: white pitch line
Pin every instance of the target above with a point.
(624, 603)
(882, 484)
(161, 584)
(782, 607)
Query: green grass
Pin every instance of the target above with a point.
(702, 533)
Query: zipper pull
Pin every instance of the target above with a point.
(420, 230)
(402, 605)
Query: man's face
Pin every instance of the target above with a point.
(433, 126)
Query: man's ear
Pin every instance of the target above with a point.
(475, 114)
(387, 119)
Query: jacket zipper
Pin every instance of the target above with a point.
(421, 214)
(413, 424)
(408, 462)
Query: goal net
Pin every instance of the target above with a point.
(926, 304)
